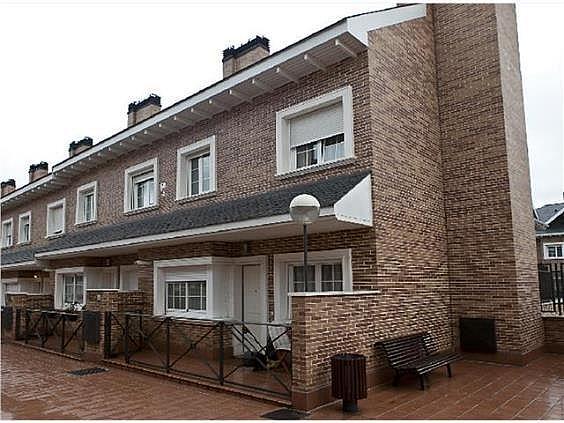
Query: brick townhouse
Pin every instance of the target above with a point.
(406, 124)
(549, 221)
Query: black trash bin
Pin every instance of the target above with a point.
(348, 379)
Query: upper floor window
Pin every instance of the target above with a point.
(141, 186)
(86, 202)
(56, 218)
(7, 233)
(24, 228)
(554, 251)
(316, 132)
(195, 173)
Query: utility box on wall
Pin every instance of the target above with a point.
(477, 335)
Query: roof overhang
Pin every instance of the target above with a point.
(346, 38)
(352, 211)
(23, 265)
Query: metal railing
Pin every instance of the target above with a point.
(56, 330)
(551, 284)
(249, 355)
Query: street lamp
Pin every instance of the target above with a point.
(304, 210)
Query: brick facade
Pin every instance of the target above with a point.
(490, 229)
(439, 122)
(554, 333)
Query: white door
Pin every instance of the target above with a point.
(254, 305)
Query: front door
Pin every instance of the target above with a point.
(253, 304)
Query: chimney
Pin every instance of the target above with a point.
(37, 171)
(7, 187)
(141, 110)
(235, 59)
(79, 146)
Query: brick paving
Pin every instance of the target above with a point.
(477, 391)
(35, 385)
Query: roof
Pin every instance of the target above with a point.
(328, 191)
(546, 212)
(345, 38)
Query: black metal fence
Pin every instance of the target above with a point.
(551, 284)
(248, 355)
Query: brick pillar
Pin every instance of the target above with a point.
(490, 229)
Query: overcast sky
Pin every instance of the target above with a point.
(69, 70)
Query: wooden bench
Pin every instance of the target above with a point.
(416, 354)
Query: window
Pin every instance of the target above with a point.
(195, 173)
(322, 277)
(24, 228)
(315, 132)
(7, 233)
(73, 288)
(328, 271)
(186, 296)
(141, 186)
(86, 203)
(554, 251)
(56, 218)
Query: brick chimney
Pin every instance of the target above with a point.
(235, 59)
(141, 110)
(7, 187)
(38, 170)
(79, 146)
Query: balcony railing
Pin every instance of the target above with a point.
(551, 284)
(252, 356)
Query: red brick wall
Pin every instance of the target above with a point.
(554, 333)
(490, 230)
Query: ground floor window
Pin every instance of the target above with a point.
(186, 296)
(321, 277)
(554, 251)
(73, 288)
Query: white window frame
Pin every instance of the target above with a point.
(60, 284)
(554, 244)
(10, 222)
(170, 310)
(282, 265)
(51, 206)
(20, 217)
(134, 171)
(183, 174)
(80, 192)
(285, 156)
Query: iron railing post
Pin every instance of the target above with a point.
(167, 344)
(221, 353)
(27, 317)
(63, 318)
(126, 339)
(107, 334)
(18, 322)
(44, 335)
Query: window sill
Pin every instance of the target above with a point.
(187, 314)
(54, 236)
(316, 168)
(143, 210)
(82, 224)
(192, 198)
(332, 293)
(23, 243)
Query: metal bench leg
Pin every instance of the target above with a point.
(449, 371)
(396, 378)
(422, 382)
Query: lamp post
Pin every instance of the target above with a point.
(304, 210)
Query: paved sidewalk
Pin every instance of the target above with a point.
(36, 385)
(477, 391)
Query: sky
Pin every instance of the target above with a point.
(69, 69)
